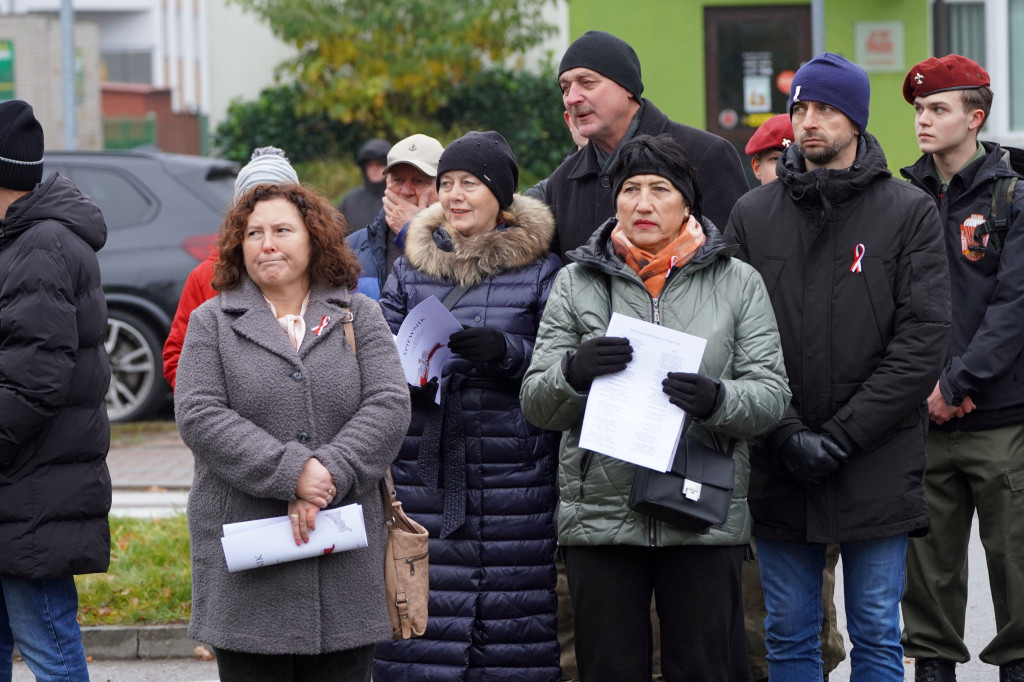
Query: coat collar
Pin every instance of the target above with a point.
(328, 306)
(651, 121)
(468, 260)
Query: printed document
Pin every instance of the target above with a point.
(423, 341)
(264, 542)
(628, 416)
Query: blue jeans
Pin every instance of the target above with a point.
(874, 573)
(39, 615)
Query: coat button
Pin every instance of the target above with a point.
(303, 437)
(477, 318)
(297, 375)
(605, 181)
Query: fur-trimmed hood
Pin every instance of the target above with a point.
(446, 254)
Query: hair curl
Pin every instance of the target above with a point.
(331, 262)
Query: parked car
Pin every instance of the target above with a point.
(163, 212)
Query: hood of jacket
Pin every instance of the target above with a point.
(599, 252)
(56, 198)
(829, 188)
(448, 255)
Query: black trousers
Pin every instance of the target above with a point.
(350, 665)
(699, 604)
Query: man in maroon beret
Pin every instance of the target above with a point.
(976, 433)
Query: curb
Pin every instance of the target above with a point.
(118, 642)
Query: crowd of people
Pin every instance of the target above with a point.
(862, 370)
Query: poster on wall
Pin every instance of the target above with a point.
(6, 70)
(879, 45)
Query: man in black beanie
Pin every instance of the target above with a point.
(54, 433)
(601, 89)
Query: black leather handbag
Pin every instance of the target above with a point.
(695, 494)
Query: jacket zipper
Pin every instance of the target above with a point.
(652, 524)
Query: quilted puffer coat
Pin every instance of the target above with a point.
(492, 600)
(713, 296)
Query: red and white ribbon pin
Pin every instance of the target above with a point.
(324, 321)
(858, 256)
(671, 264)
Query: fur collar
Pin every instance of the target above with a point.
(468, 260)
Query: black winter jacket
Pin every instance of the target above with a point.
(855, 269)
(492, 600)
(985, 356)
(582, 197)
(54, 372)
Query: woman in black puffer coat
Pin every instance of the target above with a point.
(474, 471)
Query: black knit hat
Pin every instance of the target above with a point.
(488, 157)
(374, 150)
(609, 56)
(21, 146)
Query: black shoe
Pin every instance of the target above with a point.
(1012, 671)
(935, 670)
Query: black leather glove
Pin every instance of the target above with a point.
(423, 396)
(811, 457)
(478, 344)
(696, 394)
(596, 357)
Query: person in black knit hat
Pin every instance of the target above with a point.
(471, 470)
(54, 433)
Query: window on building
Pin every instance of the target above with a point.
(1016, 25)
(127, 67)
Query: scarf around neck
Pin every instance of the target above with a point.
(654, 269)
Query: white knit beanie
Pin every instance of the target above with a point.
(268, 166)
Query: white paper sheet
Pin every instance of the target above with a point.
(264, 542)
(628, 416)
(422, 341)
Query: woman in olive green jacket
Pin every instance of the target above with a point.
(659, 262)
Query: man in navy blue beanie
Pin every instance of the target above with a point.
(602, 89)
(855, 265)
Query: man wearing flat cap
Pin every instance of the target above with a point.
(976, 433)
(54, 433)
(857, 276)
(599, 76)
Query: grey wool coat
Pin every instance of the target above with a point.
(254, 410)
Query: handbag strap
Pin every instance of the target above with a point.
(350, 335)
(388, 497)
(453, 296)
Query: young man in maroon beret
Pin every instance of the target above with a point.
(766, 146)
(976, 430)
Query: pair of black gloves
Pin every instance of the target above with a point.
(812, 457)
(476, 344)
(696, 394)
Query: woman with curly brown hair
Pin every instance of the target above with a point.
(284, 417)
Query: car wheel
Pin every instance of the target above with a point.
(137, 387)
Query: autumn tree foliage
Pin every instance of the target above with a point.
(391, 65)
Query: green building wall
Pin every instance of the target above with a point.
(668, 36)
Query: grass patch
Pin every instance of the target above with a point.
(150, 576)
(132, 433)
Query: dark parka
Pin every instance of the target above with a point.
(492, 600)
(582, 196)
(54, 373)
(985, 357)
(856, 270)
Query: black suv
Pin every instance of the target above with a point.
(162, 212)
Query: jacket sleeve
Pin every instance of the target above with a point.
(393, 299)
(756, 390)
(362, 450)
(243, 454)
(908, 370)
(197, 290)
(722, 181)
(519, 349)
(38, 344)
(1000, 337)
(547, 398)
